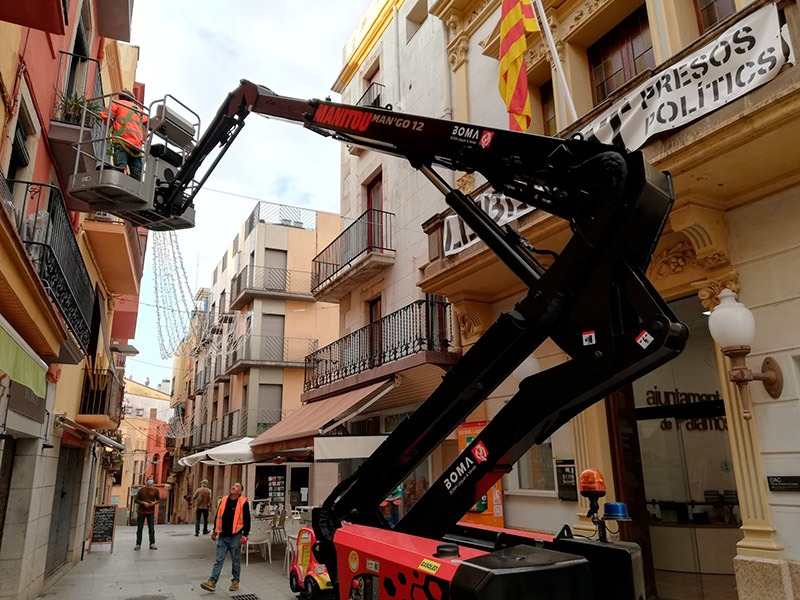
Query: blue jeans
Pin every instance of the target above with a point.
(233, 545)
(151, 519)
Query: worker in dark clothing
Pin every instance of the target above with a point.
(146, 500)
(231, 528)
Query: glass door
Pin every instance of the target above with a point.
(690, 490)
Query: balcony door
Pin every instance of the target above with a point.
(375, 334)
(375, 210)
(272, 341)
(274, 270)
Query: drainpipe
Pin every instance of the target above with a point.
(396, 27)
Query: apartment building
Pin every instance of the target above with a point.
(64, 277)
(241, 369)
(395, 341)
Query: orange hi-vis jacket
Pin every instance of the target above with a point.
(238, 519)
(128, 123)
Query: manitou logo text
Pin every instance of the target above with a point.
(457, 476)
(480, 452)
(346, 118)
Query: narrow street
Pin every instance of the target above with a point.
(173, 572)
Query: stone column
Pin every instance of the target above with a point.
(760, 565)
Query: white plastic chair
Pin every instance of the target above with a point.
(260, 535)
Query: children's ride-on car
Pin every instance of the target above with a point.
(306, 574)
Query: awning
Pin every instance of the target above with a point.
(89, 433)
(299, 428)
(232, 453)
(341, 447)
(20, 362)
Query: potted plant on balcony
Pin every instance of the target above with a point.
(70, 108)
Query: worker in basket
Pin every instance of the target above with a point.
(128, 132)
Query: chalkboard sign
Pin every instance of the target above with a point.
(104, 524)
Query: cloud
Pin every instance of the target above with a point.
(197, 51)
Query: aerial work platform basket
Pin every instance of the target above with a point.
(172, 131)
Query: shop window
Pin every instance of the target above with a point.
(548, 108)
(535, 468)
(620, 55)
(711, 12)
(416, 17)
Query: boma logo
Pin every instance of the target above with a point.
(480, 452)
(461, 470)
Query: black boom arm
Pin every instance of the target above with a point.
(616, 205)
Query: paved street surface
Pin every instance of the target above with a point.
(173, 572)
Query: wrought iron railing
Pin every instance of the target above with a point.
(230, 425)
(369, 233)
(373, 96)
(220, 365)
(424, 325)
(281, 214)
(74, 71)
(264, 348)
(102, 393)
(6, 199)
(45, 228)
(270, 279)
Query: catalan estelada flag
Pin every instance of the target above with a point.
(517, 20)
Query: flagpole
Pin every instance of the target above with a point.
(561, 79)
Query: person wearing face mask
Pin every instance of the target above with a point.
(146, 500)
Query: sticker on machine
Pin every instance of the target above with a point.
(644, 339)
(589, 338)
(373, 565)
(429, 566)
(352, 561)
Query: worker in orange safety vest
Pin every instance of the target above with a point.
(128, 124)
(231, 528)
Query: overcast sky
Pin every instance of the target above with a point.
(197, 51)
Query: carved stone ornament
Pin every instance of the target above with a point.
(476, 12)
(459, 52)
(453, 23)
(470, 326)
(466, 183)
(673, 261)
(585, 12)
(708, 290)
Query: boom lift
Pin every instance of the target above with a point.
(594, 301)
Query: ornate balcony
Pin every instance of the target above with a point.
(422, 326)
(101, 399)
(268, 282)
(45, 228)
(361, 251)
(268, 351)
